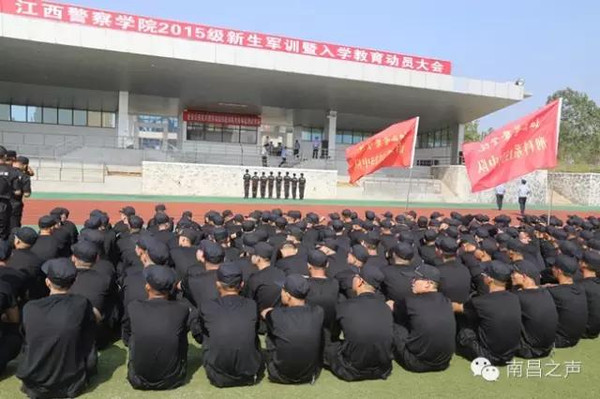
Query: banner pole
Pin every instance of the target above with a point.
(558, 116)
(412, 162)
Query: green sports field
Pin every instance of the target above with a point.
(456, 382)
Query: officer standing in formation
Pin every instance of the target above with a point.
(21, 164)
(286, 185)
(301, 186)
(294, 186)
(10, 188)
(263, 185)
(247, 179)
(271, 181)
(278, 181)
(255, 180)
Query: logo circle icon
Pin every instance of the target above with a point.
(478, 364)
(490, 373)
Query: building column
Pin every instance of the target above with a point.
(124, 132)
(330, 130)
(458, 137)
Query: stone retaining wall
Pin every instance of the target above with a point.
(580, 188)
(167, 178)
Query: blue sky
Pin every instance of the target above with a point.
(551, 44)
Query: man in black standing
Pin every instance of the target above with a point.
(9, 188)
(230, 345)
(271, 181)
(294, 186)
(59, 337)
(255, 180)
(278, 181)
(21, 165)
(263, 185)
(286, 185)
(294, 335)
(247, 179)
(366, 321)
(301, 186)
(157, 329)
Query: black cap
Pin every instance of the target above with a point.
(515, 245)
(60, 271)
(594, 244)
(280, 223)
(27, 235)
(135, 222)
(46, 222)
(447, 245)
(295, 214)
(160, 208)
(435, 215)
(213, 252)
(160, 278)
(5, 250)
(157, 250)
(96, 237)
(230, 274)
(403, 251)
(220, 234)
(248, 225)
(592, 259)
(317, 258)
(527, 268)
(85, 251)
(334, 216)
(93, 223)
(569, 248)
(295, 285)
(372, 238)
(566, 263)
(360, 253)
(346, 213)
(23, 160)
(427, 272)
(370, 215)
(497, 270)
(337, 225)
(372, 275)
(128, 211)
(161, 218)
(11, 154)
(430, 235)
(263, 250)
(191, 235)
(329, 243)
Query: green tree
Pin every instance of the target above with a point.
(579, 138)
(472, 131)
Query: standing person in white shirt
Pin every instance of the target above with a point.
(283, 156)
(264, 154)
(524, 192)
(500, 191)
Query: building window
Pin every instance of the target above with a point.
(65, 116)
(109, 119)
(94, 119)
(4, 112)
(80, 117)
(220, 133)
(50, 115)
(18, 113)
(312, 133)
(34, 114)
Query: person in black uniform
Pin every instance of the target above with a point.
(324, 291)
(539, 319)
(10, 338)
(46, 246)
(292, 260)
(164, 233)
(255, 180)
(301, 186)
(263, 185)
(9, 188)
(590, 266)
(230, 345)
(278, 181)
(59, 338)
(247, 179)
(262, 286)
(294, 186)
(286, 185)
(425, 330)
(294, 335)
(493, 321)
(156, 330)
(271, 182)
(397, 284)
(22, 166)
(199, 284)
(122, 225)
(570, 301)
(184, 256)
(66, 232)
(23, 259)
(456, 278)
(367, 324)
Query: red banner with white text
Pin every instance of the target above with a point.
(71, 14)
(392, 147)
(516, 149)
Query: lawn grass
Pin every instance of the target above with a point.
(456, 382)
